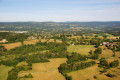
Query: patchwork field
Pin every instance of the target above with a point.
(45, 71)
(4, 72)
(30, 41)
(82, 49)
(12, 45)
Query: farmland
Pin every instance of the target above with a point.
(12, 45)
(4, 72)
(46, 71)
(30, 41)
(82, 49)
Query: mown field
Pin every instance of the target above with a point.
(82, 49)
(45, 71)
(12, 45)
(30, 41)
(4, 72)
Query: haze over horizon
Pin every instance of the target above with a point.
(59, 10)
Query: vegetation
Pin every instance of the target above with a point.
(83, 44)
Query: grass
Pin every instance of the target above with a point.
(30, 41)
(12, 45)
(46, 71)
(85, 74)
(82, 49)
(21, 63)
(51, 40)
(4, 72)
(90, 72)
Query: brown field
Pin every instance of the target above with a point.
(74, 37)
(12, 45)
(45, 71)
(43, 40)
(51, 40)
(30, 41)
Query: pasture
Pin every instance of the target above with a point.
(12, 45)
(45, 71)
(4, 72)
(82, 49)
(30, 41)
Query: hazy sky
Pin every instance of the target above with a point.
(59, 10)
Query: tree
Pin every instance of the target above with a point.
(96, 36)
(98, 51)
(105, 36)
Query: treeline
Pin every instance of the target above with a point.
(13, 74)
(13, 37)
(64, 68)
(2, 49)
(104, 63)
(40, 46)
(75, 57)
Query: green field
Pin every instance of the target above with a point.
(4, 72)
(82, 49)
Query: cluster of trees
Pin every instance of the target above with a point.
(9, 62)
(103, 63)
(40, 46)
(13, 74)
(98, 51)
(2, 49)
(28, 76)
(13, 37)
(36, 58)
(64, 68)
(76, 57)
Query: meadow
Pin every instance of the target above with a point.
(45, 71)
(90, 72)
(82, 49)
(4, 72)
(12, 45)
(30, 41)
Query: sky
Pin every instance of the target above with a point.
(59, 10)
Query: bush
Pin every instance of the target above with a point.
(95, 77)
(28, 76)
(115, 63)
(110, 75)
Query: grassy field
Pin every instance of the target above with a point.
(12, 45)
(4, 72)
(90, 72)
(21, 63)
(51, 40)
(46, 71)
(82, 49)
(30, 41)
